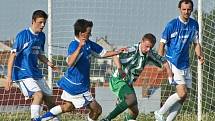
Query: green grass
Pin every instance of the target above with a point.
(81, 117)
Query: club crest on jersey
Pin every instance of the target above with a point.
(36, 49)
(174, 34)
(183, 38)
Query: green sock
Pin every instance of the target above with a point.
(129, 117)
(122, 106)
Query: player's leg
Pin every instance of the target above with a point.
(176, 100)
(30, 89)
(173, 111)
(47, 93)
(133, 112)
(179, 81)
(48, 100)
(95, 111)
(181, 90)
(127, 98)
(70, 103)
(55, 111)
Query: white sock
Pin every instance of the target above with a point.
(169, 103)
(89, 119)
(173, 111)
(35, 111)
(56, 110)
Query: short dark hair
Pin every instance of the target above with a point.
(186, 2)
(81, 25)
(150, 37)
(39, 14)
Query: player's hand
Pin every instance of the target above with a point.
(82, 42)
(83, 38)
(201, 59)
(170, 75)
(55, 69)
(8, 84)
(171, 80)
(121, 50)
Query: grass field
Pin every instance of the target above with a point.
(81, 117)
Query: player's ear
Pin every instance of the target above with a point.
(80, 34)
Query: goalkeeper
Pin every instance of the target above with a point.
(129, 65)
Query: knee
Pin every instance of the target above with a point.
(136, 113)
(38, 95)
(183, 96)
(98, 111)
(131, 100)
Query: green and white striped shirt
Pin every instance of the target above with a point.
(133, 61)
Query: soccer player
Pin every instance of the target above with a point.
(23, 64)
(129, 65)
(177, 36)
(76, 82)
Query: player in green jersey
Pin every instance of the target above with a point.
(129, 65)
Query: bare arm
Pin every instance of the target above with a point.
(8, 82)
(161, 49)
(72, 58)
(118, 64)
(198, 51)
(45, 60)
(113, 53)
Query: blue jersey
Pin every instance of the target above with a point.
(27, 47)
(178, 36)
(76, 79)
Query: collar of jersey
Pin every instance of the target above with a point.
(141, 54)
(32, 31)
(77, 39)
(182, 20)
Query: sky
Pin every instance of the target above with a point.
(124, 22)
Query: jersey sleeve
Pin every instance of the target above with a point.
(196, 36)
(166, 35)
(156, 59)
(127, 56)
(72, 47)
(97, 48)
(19, 42)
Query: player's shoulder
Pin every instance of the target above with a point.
(23, 34)
(172, 22)
(73, 42)
(134, 47)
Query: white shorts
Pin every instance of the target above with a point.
(80, 100)
(29, 86)
(181, 76)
